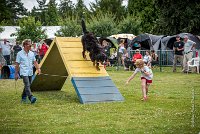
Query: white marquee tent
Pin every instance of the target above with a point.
(8, 30)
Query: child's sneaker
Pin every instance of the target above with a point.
(144, 99)
(33, 99)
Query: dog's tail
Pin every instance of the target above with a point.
(83, 26)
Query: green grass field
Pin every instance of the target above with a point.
(168, 110)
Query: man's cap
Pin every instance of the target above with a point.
(186, 36)
(177, 36)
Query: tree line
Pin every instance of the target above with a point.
(106, 17)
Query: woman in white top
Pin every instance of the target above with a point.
(122, 52)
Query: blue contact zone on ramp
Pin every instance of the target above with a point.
(96, 89)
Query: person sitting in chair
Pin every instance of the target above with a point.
(136, 56)
(154, 58)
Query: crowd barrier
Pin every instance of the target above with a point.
(165, 57)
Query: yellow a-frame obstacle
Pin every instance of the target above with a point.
(64, 58)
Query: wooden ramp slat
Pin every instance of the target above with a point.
(70, 45)
(101, 98)
(96, 89)
(91, 78)
(96, 83)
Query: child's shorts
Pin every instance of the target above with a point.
(147, 81)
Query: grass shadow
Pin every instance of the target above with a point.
(57, 96)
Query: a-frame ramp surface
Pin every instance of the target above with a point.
(64, 58)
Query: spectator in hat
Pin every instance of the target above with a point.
(188, 47)
(178, 52)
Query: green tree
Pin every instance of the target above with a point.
(51, 14)
(130, 24)
(1, 29)
(70, 28)
(36, 13)
(40, 12)
(66, 8)
(146, 11)
(4, 12)
(30, 29)
(109, 6)
(11, 11)
(80, 7)
(102, 24)
(178, 16)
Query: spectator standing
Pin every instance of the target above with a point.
(129, 51)
(24, 62)
(35, 50)
(42, 50)
(121, 52)
(5, 48)
(16, 49)
(178, 52)
(188, 47)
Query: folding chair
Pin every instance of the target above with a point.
(194, 62)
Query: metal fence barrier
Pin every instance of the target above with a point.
(165, 57)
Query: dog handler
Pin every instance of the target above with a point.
(25, 60)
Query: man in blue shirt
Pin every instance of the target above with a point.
(24, 62)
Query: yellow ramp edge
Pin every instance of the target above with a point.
(71, 52)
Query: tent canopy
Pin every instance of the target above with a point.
(146, 41)
(167, 42)
(111, 40)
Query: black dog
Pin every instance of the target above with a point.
(91, 44)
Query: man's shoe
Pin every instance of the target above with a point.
(23, 100)
(33, 99)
